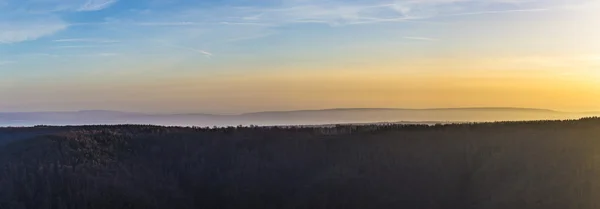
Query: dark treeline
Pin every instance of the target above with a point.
(538, 164)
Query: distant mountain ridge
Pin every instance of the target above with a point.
(297, 117)
(413, 109)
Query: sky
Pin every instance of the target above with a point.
(235, 56)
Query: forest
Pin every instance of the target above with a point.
(519, 165)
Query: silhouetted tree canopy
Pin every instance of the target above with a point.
(537, 164)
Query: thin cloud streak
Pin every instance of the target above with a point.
(15, 32)
(200, 51)
(86, 40)
(333, 13)
(40, 18)
(165, 23)
(500, 12)
(77, 46)
(203, 52)
(96, 5)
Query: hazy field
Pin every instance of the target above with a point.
(492, 165)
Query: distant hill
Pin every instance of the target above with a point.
(300, 117)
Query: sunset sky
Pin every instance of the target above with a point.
(233, 56)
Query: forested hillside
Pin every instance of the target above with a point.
(542, 164)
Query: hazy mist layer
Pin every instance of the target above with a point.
(307, 117)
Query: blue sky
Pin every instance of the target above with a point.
(48, 48)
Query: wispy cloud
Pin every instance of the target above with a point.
(231, 22)
(30, 20)
(19, 31)
(339, 13)
(208, 54)
(500, 12)
(77, 46)
(86, 40)
(334, 14)
(246, 24)
(93, 55)
(165, 23)
(200, 51)
(107, 54)
(95, 5)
